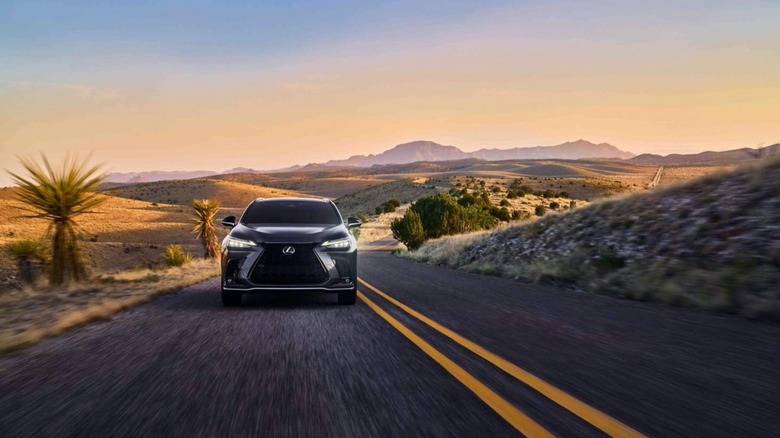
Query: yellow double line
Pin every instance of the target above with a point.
(507, 411)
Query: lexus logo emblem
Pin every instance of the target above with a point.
(288, 250)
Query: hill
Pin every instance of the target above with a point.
(404, 153)
(712, 242)
(708, 158)
(405, 190)
(154, 175)
(573, 150)
(230, 194)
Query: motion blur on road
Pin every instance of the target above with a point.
(463, 355)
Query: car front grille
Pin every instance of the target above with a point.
(300, 268)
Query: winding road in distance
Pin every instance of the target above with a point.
(426, 351)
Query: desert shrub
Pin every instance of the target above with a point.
(501, 214)
(30, 255)
(379, 210)
(564, 195)
(441, 215)
(175, 256)
(572, 205)
(540, 210)
(511, 194)
(496, 189)
(554, 205)
(504, 203)
(409, 230)
(521, 215)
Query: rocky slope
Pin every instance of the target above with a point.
(712, 242)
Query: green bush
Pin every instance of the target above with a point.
(501, 214)
(504, 203)
(540, 210)
(554, 205)
(441, 215)
(409, 230)
(175, 256)
(378, 210)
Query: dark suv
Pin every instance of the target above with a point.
(289, 244)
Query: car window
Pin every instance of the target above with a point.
(291, 212)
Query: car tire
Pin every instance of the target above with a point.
(348, 297)
(231, 298)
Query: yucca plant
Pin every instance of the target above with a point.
(61, 195)
(205, 212)
(175, 256)
(30, 255)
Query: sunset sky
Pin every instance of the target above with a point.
(215, 85)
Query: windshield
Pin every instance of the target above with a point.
(291, 212)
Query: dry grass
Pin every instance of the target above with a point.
(123, 234)
(405, 190)
(30, 315)
(445, 251)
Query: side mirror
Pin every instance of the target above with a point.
(353, 222)
(229, 221)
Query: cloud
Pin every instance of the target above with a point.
(79, 91)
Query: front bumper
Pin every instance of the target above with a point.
(241, 269)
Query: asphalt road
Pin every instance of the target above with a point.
(300, 365)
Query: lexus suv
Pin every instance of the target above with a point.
(289, 244)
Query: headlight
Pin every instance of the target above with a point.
(232, 242)
(337, 244)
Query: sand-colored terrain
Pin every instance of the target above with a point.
(182, 192)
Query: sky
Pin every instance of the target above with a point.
(185, 85)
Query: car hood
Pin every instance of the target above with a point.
(289, 233)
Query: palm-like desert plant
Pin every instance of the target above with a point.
(60, 195)
(205, 212)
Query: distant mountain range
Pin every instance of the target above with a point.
(734, 156)
(403, 154)
(428, 151)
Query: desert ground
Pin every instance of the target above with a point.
(131, 229)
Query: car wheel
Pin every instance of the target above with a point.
(348, 296)
(231, 298)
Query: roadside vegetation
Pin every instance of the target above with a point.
(51, 243)
(60, 196)
(205, 214)
(713, 243)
